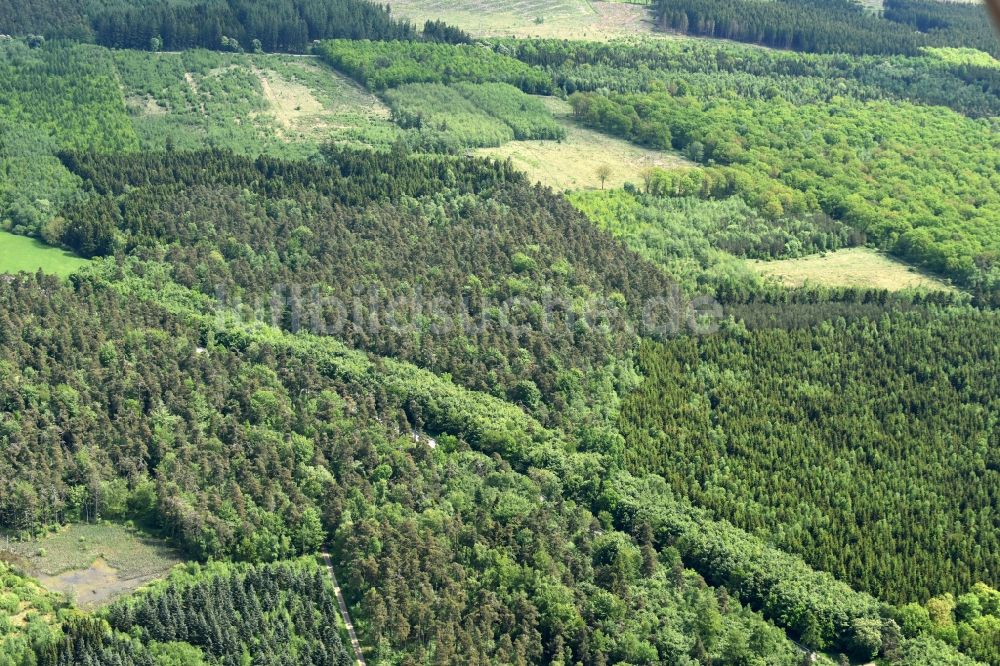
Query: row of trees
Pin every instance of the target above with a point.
(824, 26)
(955, 78)
(283, 25)
(381, 65)
(467, 115)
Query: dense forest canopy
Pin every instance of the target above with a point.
(833, 26)
(381, 65)
(470, 270)
(278, 25)
(254, 445)
(500, 408)
(850, 442)
(51, 99)
(221, 614)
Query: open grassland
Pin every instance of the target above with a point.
(94, 563)
(21, 253)
(562, 19)
(255, 103)
(573, 163)
(850, 267)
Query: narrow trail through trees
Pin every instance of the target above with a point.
(344, 613)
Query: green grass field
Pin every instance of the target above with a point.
(20, 253)
(572, 163)
(95, 563)
(851, 267)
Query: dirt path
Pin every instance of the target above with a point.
(343, 609)
(189, 77)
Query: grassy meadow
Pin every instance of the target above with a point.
(24, 254)
(849, 267)
(573, 162)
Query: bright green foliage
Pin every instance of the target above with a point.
(695, 239)
(941, 77)
(68, 92)
(963, 57)
(928, 650)
(470, 114)
(197, 98)
(28, 617)
(526, 115)
(443, 115)
(972, 621)
(919, 181)
(867, 446)
(59, 97)
(381, 65)
(194, 98)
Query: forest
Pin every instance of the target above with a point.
(845, 159)
(53, 99)
(962, 79)
(469, 265)
(381, 65)
(296, 445)
(468, 115)
(279, 25)
(833, 26)
(528, 426)
(792, 434)
(384, 525)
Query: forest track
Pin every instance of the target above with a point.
(344, 613)
(193, 85)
